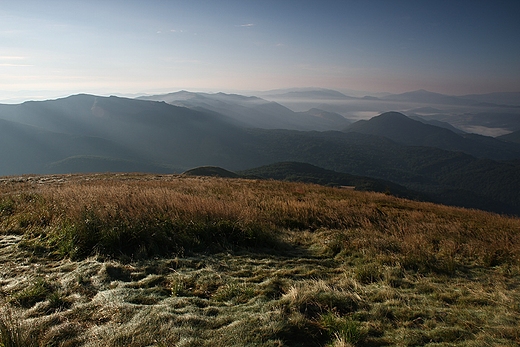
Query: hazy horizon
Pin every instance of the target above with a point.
(57, 48)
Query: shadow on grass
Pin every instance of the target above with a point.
(139, 239)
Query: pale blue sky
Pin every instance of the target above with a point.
(54, 48)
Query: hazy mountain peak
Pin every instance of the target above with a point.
(308, 93)
(391, 115)
(424, 91)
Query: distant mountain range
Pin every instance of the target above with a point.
(426, 97)
(86, 133)
(254, 112)
(491, 114)
(508, 99)
(489, 100)
(321, 94)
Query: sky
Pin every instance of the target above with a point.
(56, 48)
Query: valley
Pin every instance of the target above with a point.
(423, 153)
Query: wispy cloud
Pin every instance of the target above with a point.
(11, 57)
(248, 25)
(13, 61)
(15, 65)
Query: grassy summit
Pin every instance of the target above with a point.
(144, 260)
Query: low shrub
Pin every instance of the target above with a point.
(7, 206)
(145, 237)
(368, 273)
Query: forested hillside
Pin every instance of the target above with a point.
(86, 133)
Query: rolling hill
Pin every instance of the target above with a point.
(447, 177)
(210, 171)
(397, 127)
(85, 133)
(31, 149)
(304, 172)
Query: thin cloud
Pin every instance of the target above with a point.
(15, 65)
(248, 25)
(12, 61)
(11, 57)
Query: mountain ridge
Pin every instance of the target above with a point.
(113, 133)
(400, 128)
(250, 111)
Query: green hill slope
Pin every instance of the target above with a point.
(212, 171)
(468, 181)
(397, 127)
(303, 172)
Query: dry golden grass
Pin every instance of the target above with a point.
(144, 260)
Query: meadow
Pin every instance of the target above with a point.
(172, 260)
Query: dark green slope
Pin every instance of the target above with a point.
(30, 149)
(91, 164)
(447, 177)
(397, 127)
(212, 171)
(304, 172)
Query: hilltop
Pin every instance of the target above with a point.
(163, 260)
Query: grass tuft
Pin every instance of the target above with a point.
(39, 290)
(237, 292)
(12, 332)
(343, 329)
